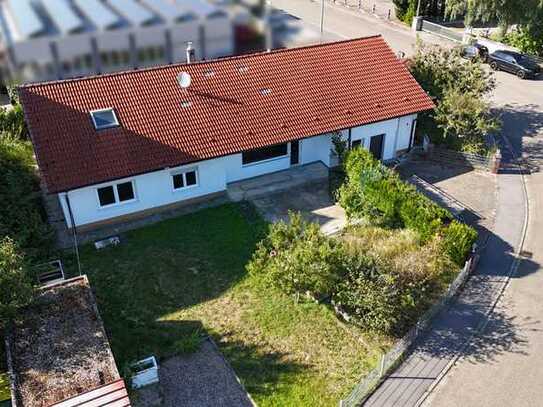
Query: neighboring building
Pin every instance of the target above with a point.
(59, 354)
(122, 145)
(43, 40)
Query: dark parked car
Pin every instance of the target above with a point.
(514, 62)
(475, 51)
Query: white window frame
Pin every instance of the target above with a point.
(116, 194)
(108, 109)
(184, 172)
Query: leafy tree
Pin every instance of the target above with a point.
(465, 120)
(12, 122)
(444, 74)
(439, 69)
(16, 288)
(505, 12)
(21, 214)
(528, 37)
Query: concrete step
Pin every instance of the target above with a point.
(276, 182)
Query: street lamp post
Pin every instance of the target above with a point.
(322, 16)
(418, 8)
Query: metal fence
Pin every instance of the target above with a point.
(395, 356)
(380, 9)
(442, 31)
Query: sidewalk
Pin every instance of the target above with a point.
(451, 331)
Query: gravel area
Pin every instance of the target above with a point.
(202, 379)
(474, 189)
(60, 349)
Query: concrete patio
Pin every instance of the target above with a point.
(304, 189)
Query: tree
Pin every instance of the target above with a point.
(465, 120)
(16, 288)
(438, 69)
(504, 12)
(528, 37)
(451, 80)
(12, 122)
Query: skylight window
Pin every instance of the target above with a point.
(104, 119)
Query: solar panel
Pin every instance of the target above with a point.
(63, 15)
(26, 18)
(97, 12)
(134, 12)
(200, 7)
(167, 9)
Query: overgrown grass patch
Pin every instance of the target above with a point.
(170, 280)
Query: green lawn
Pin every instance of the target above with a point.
(168, 280)
(4, 387)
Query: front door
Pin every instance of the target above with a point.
(376, 146)
(295, 152)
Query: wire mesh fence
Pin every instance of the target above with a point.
(395, 356)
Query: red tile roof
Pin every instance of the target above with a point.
(314, 90)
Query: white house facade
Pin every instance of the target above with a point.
(158, 189)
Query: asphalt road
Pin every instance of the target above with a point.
(511, 375)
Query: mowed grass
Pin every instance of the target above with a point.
(166, 281)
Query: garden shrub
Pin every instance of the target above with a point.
(391, 278)
(12, 123)
(21, 213)
(458, 240)
(16, 288)
(297, 258)
(376, 193)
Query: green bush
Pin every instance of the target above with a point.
(297, 258)
(376, 193)
(458, 240)
(12, 123)
(21, 212)
(16, 288)
(391, 277)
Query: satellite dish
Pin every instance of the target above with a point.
(184, 80)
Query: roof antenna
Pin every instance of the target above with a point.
(190, 52)
(184, 80)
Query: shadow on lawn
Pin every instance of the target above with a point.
(261, 371)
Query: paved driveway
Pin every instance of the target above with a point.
(312, 200)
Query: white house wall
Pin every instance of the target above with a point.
(152, 190)
(397, 134)
(155, 189)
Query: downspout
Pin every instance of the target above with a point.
(74, 231)
(396, 138)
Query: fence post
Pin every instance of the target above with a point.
(382, 370)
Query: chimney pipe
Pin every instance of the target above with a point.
(190, 52)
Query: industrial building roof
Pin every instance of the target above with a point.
(28, 19)
(232, 105)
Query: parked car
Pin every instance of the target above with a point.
(475, 51)
(514, 62)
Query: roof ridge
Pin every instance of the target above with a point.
(201, 62)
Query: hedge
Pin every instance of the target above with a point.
(376, 193)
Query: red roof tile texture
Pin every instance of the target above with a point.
(236, 104)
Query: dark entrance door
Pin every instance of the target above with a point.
(295, 152)
(376, 146)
